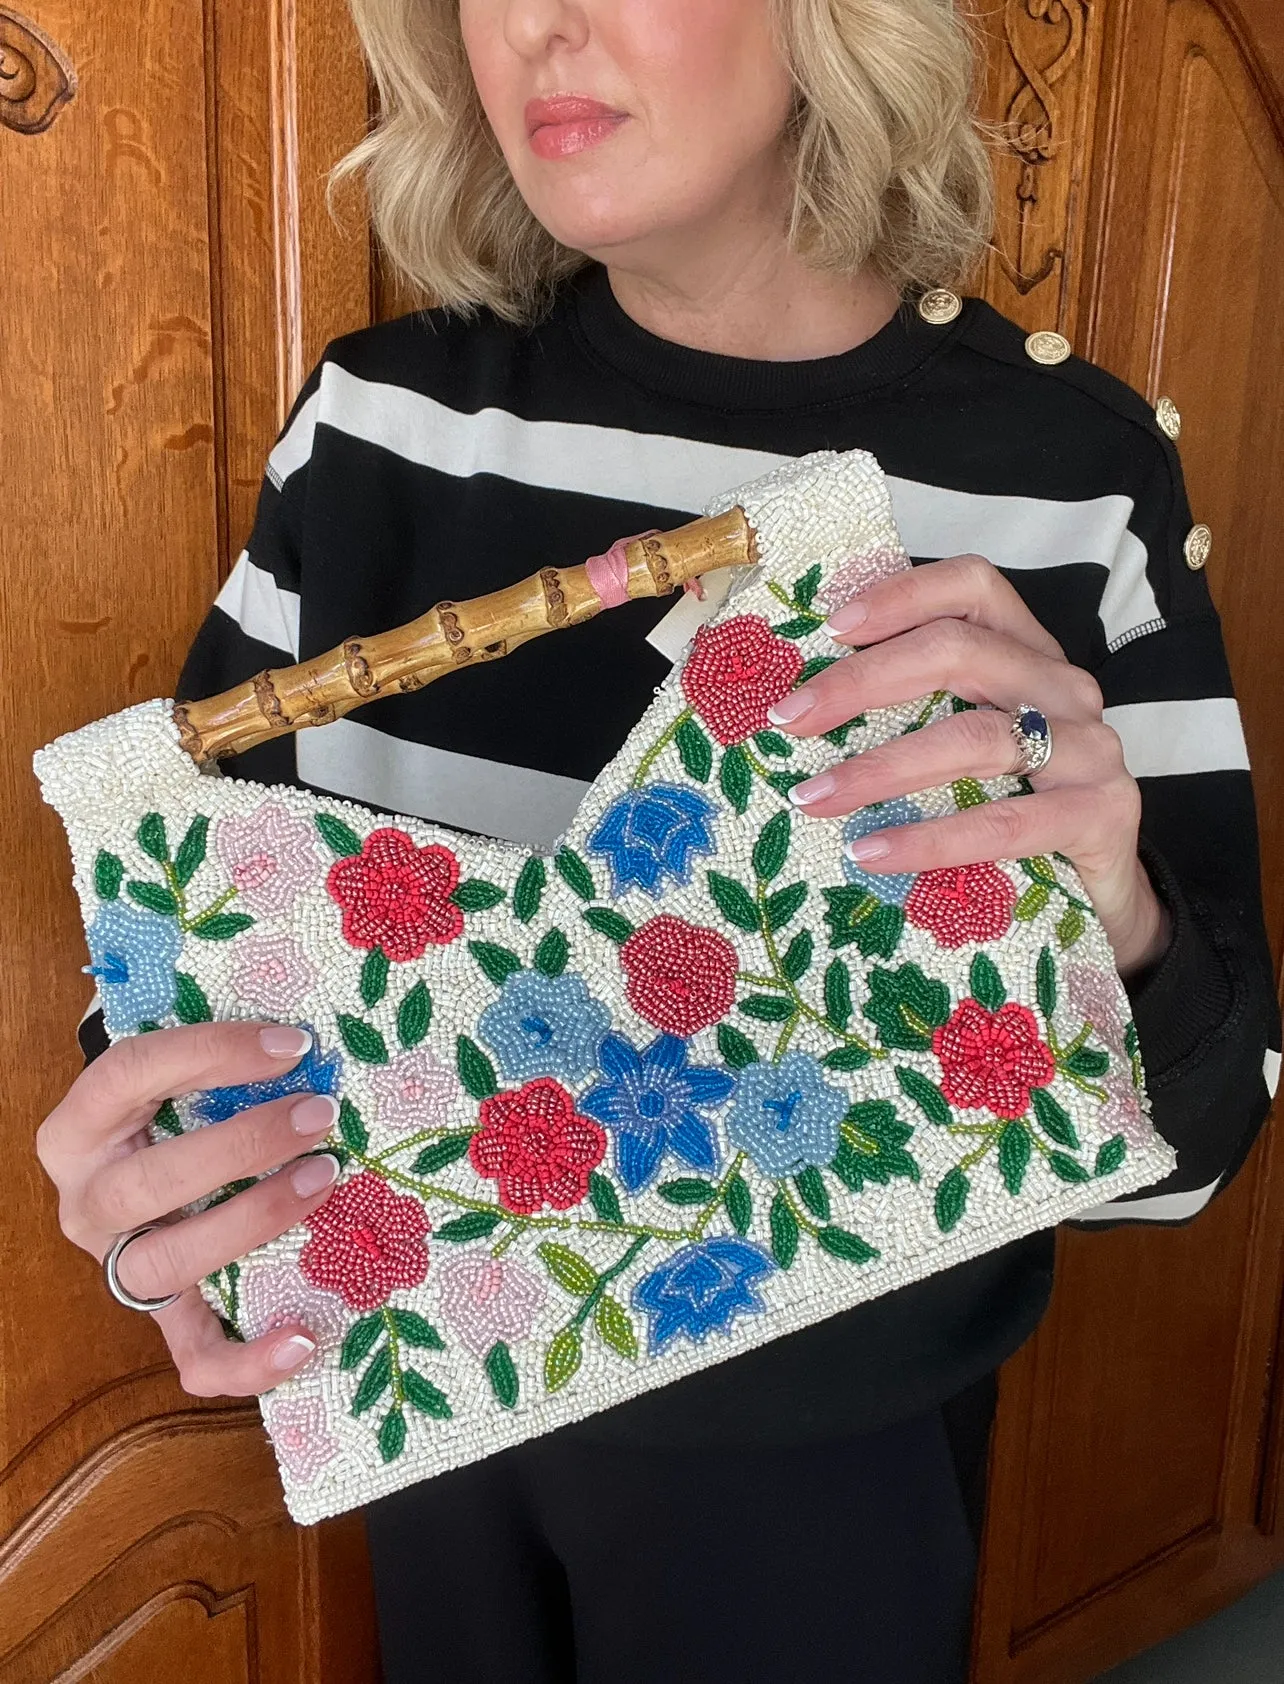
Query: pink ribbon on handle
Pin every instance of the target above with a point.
(609, 574)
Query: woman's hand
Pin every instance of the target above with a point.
(958, 625)
(94, 1147)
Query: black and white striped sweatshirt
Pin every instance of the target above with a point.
(433, 457)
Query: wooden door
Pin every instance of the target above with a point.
(1137, 1468)
(168, 271)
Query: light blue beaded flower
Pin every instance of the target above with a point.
(544, 1026)
(134, 953)
(652, 833)
(651, 1101)
(786, 1115)
(701, 1289)
(892, 887)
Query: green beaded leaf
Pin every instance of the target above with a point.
(1088, 1061)
(414, 1015)
(154, 897)
(615, 1328)
(476, 1071)
(571, 1271)
(782, 906)
(475, 894)
(772, 743)
(737, 1050)
(222, 926)
(190, 1004)
(374, 977)
(799, 627)
(733, 901)
(850, 1247)
(880, 933)
(686, 1190)
(784, 1231)
(925, 1094)
(416, 1330)
(1054, 1119)
(838, 994)
(968, 793)
(804, 592)
(736, 777)
(1067, 1168)
(362, 1039)
(109, 869)
(695, 749)
(951, 1200)
(351, 1127)
(847, 1166)
(498, 963)
(374, 1382)
(1131, 1044)
(847, 1058)
(986, 983)
(392, 1433)
(847, 909)
(340, 838)
(818, 663)
(613, 925)
(838, 736)
(906, 1006)
(1110, 1155)
(739, 1202)
(1045, 983)
(152, 838)
(1071, 927)
(191, 850)
(447, 1150)
(797, 956)
(475, 1225)
(502, 1374)
(783, 782)
(768, 1008)
(1014, 1156)
(813, 1193)
(166, 1118)
(528, 891)
(575, 873)
(771, 849)
(427, 1398)
(604, 1198)
(877, 1117)
(1031, 903)
(360, 1339)
(1040, 870)
(552, 953)
(563, 1359)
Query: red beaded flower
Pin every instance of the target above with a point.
(681, 977)
(991, 1060)
(396, 895)
(735, 672)
(962, 903)
(366, 1241)
(537, 1147)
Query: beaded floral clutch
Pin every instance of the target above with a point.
(692, 1081)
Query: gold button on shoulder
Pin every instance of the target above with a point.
(1198, 547)
(1048, 347)
(939, 306)
(1168, 418)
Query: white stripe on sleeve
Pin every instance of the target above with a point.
(1169, 739)
(252, 597)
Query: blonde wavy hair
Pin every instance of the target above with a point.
(889, 161)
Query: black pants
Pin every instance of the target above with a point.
(562, 1562)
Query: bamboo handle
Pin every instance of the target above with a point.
(449, 636)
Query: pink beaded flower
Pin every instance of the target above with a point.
(272, 972)
(1095, 994)
(297, 1426)
(1123, 1112)
(269, 856)
(273, 1294)
(856, 574)
(415, 1090)
(366, 1242)
(486, 1299)
(735, 672)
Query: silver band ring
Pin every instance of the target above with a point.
(121, 1293)
(1032, 735)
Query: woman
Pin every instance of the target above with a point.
(675, 243)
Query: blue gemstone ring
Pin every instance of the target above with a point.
(1033, 737)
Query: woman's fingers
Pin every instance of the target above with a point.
(974, 662)
(178, 1254)
(961, 587)
(976, 744)
(211, 1365)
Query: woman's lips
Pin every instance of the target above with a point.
(569, 123)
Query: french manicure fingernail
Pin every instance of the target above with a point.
(815, 789)
(313, 1174)
(868, 848)
(281, 1040)
(791, 707)
(846, 619)
(315, 1114)
(292, 1351)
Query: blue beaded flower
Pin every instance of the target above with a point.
(544, 1026)
(786, 1115)
(134, 953)
(892, 887)
(651, 1102)
(317, 1072)
(701, 1288)
(653, 831)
